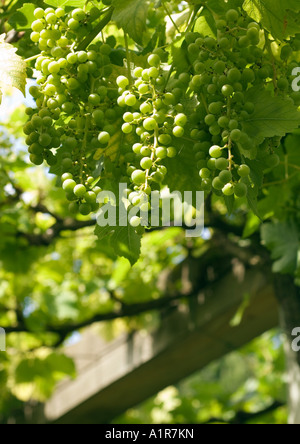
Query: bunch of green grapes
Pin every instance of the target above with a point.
(224, 70)
(77, 111)
(152, 120)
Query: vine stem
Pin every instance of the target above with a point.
(170, 17)
(155, 145)
(128, 58)
(30, 59)
(106, 19)
(230, 156)
(290, 165)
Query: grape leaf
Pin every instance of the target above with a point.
(124, 240)
(127, 243)
(206, 24)
(275, 15)
(257, 171)
(13, 68)
(273, 116)
(282, 239)
(23, 17)
(131, 15)
(66, 3)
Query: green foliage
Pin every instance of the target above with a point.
(273, 116)
(158, 95)
(131, 15)
(282, 240)
(277, 17)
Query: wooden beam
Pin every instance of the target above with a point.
(118, 376)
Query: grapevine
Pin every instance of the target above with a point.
(82, 104)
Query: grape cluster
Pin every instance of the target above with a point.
(153, 119)
(224, 69)
(77, 111)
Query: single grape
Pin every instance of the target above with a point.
(217, 184)
(130, 100)
(36, 159)
(69, 185)
(222, 163)
(149, 124)
(180, 120)
(243, 170)
(205, 173)
(146, 163)
(171, 152)
(104, 138)
(235, 135)
(85, 209)
(161, 152)
(138, 177)
(127, 128)
(240, 190)
(225, 176)
(135, 221)
(122, 82)
(215, 151)
(178, 131)
(228, 189)
(232, 15)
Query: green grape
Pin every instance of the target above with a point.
(85, 209)
(210, 119)
(138, 177)
(45, 140)
(217, 184)
(146, 108)
(127, 128)
(227, 90)
(73, 24)
(243, 170)
(79, 190)
(122, 82)
(130, 100)
(178, 131)
(69, 185)
(235, 135)
(180, 120)
(171, 152)
(67, 164)
(232, 15)
(146, 163)
(150, 124)
(240, 190)
(137, 148)
(66, 176)
(39, 13)
(215, 107)
(215, 152)
(225, 176)
(228, 189)
(135, 221)
(234, 75)
(272, 161)
(221, 163)
(104, 138)
(286, 52)
(78, 14)
(205, 173)
(161, 152)
(223, 122)
(37, 26)
(36, 159)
